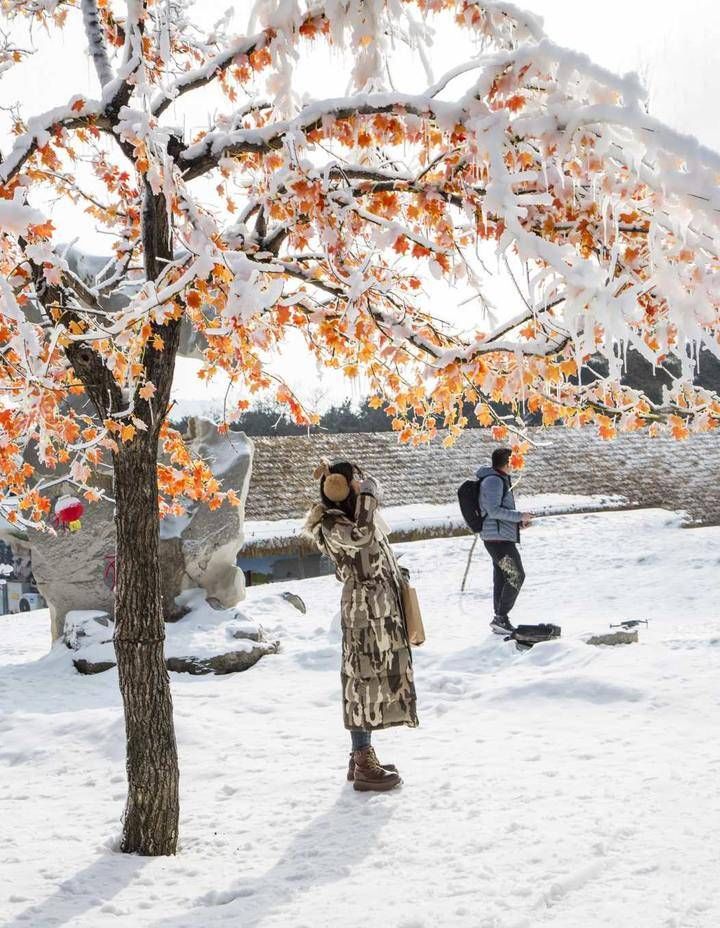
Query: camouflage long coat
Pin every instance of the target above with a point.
(376, 672)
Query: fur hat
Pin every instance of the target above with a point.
(334, 486)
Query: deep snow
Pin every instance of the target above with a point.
(568, 786)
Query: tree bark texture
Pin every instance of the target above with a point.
(150, 824)
(152, 812)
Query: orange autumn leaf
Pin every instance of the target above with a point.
(484, 415)
(308, 29)
(70, 430)
(526, 159)
(42, 230)
(420, 251)
(515, 103)
(232, 498)
(678, 428)
(606, 430)
(401, 245)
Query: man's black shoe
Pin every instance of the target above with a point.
(502, 625)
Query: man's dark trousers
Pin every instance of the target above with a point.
(508, 574)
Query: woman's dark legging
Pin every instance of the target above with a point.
(360, 739)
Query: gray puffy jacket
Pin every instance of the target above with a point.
(497, 504)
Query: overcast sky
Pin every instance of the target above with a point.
(676, 56)
(677, 59)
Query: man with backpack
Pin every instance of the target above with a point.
(500, 532)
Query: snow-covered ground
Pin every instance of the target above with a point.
(568, 786)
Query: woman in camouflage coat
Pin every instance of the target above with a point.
(377, 675)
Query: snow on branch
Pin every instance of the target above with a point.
(342, 219)
(505, 24)
(96, 41)
(40, 130)
(201, 76)
(206, 154)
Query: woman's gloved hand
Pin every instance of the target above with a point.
(366, 485)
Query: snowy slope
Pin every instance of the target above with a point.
(570, 786)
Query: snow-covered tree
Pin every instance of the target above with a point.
(327, 215)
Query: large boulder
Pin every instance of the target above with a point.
(75, 570)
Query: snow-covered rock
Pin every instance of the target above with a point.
(89, 634)
(613, 638)
(205, 640)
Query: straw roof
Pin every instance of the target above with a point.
(662, 472)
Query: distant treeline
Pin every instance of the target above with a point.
(270, 419)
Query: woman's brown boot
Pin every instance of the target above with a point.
(369, 775)
(351, 765)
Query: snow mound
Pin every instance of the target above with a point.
(584, 688)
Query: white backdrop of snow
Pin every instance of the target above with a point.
(569, 786)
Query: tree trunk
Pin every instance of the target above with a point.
(150, 824)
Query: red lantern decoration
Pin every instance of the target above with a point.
(68, 510)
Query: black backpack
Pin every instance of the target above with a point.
(525, 636)
(469, 499)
